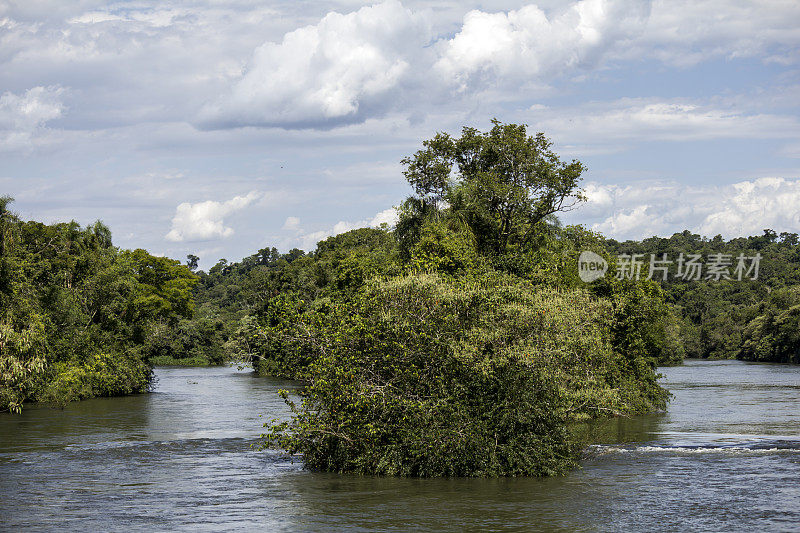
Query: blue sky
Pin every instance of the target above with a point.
(220, 127)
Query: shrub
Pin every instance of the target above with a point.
(101, 374)
(423, 375)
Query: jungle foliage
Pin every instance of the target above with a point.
(749, 319)
(76, 313)
(462, 341)
(459, 342)
(429, 375)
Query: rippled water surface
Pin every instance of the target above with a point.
(725, 457)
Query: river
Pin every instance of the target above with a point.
(725, 457)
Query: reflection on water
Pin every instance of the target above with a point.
(726, 456)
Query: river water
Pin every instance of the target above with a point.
(725, 457)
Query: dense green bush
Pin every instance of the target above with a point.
(22, 362)
(774, 335)
(477, 357)
(189, 342)
(275, 340)
(100, 374)
(425, 375)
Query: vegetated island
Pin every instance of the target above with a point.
(461, 342)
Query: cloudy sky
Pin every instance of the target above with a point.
(218, 127)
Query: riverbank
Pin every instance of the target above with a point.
(166, 360)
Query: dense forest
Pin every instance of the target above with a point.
(76, 313)
(462, 341)
(755, 318)
(748, 319)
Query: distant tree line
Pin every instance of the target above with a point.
(749, 319)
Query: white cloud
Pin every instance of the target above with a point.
(205, 220)
(387, 216)
(128, 63)
(338, 71)
(598, 195)
(291, 223)
(232, 64)
(350, 67)
(642, 221)
(23, 117)
(491, 49)
(137, 74)
(641, 210)
(372, 171)
(748, 207)
(686, 32)
(680, 120)
(663, 208)
(44, 9)
(526, 43)
(163, 175)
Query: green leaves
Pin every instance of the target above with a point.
(425, 375)
(774, 335)
(428, 171)
(75, 311)
(501, 184)
(22, 362)
(726, 318)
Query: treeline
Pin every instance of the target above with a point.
(77, 315)
(749, 319)
(460, 342)
(755, 318)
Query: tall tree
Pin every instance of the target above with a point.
(502, 184)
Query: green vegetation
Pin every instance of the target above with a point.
(461, 343)
(427, 375)
(749, 319)
(77, 315)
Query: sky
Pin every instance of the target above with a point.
(219, 127)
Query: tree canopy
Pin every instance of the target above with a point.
(501, 184)
(461, 343)
(76, 312)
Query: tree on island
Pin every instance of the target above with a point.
(502, 184)
(472, 357)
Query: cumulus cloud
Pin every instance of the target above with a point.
(204, 221)
(234, 64)
(635, 222)
(128, 63)
(338, 71)
(748, 207)
(387, 216)
(137, 75)
(350, 67)
(526, 43)
(23, 117)
(662, 208)
(529, 43)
